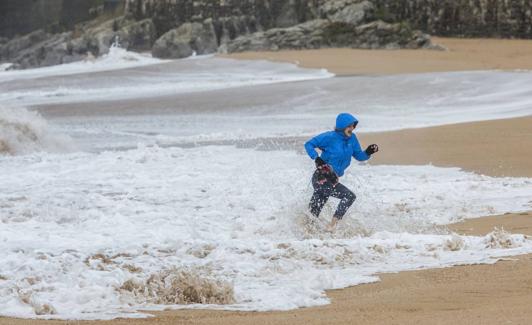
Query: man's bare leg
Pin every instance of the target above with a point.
(332, 225)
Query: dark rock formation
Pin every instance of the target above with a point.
(229, 28)
(308, 35)
(243, 25)
(178, 28)
(324, 33)
(12, 48)
(170, 14)
(19, 17)
(140, 35)
(35, 49)
(483, 18)
(352, 12)
(189, 38)
(343, 23)
(40, 48)
(471, 18)
(133, 35)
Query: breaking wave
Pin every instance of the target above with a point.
(179, 286)
(154, 227)
(24, 132)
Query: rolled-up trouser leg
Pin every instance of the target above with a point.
(346, 199)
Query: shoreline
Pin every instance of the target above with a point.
(459, 294)
(462, 55)
(463, 294)
(497, 148)
(487, 294)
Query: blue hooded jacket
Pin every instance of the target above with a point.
(337, 148)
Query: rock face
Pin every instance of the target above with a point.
(40, 48)
(140, 36)
(35, 49)
(170, 14)
(248, 25)
(308, 35)
(186, 40)
(486, 18)
(351, 12)
(179, 28)
(478, 18)
(19, 17)
(324, 33)
(228, 28)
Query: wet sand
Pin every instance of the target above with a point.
(475, 294)
(495, 148)
(462, 55)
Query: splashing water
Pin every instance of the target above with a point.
(144, 228)
(174, 286)
(23, 132)
(104, 234)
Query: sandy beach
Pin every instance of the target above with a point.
(474, 294)
(462, 55)
(498, 148)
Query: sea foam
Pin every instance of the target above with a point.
(23, 131)
(104, 235)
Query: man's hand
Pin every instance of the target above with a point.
(373, 148)
(320, 162)
(326, 173)
(332, 177)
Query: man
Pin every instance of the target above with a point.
(337, 147)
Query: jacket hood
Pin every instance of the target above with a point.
(343, 120)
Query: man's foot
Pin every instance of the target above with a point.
(309, 215)
(332, 225)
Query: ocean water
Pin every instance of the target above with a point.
(117, 59)
(178, 184)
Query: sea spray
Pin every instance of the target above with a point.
(23, 131)
(39, 308)
(117, 58)
(5, 66)
(499, 238)
(179, 286)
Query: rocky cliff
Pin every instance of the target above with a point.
(168, 14)
(469, 18)
(179, 28)
(241, 25)
(19, 17)
(41, 48)
(187, 26)
(486, 18)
